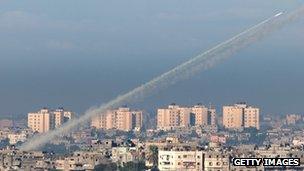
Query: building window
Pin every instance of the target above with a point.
(210, 163)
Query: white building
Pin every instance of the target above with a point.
(122, 155)
(16, 137)
(180, 160)
(214, 161)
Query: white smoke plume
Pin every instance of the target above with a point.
(203, 61)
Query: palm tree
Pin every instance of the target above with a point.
(153, 156)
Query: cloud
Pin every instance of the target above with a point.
(30, 29)
(60, 45)
(18, 19)
(217, 15)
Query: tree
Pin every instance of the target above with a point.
(153, 155)
(133, 166)
(4, 143)
(106, 167)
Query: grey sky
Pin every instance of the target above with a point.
(81, 53)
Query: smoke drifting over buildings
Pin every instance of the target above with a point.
(201, 62)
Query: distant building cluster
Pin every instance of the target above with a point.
(121, 119)
(292, 119)
(6, 123)
(175, 116)
(46, 119)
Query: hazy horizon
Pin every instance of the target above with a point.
(77, 54)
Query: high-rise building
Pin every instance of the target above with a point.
(204, 115)
(169, 118)
(59, 119)
(61, 116)
(240, 115)
(137, 119)
(185, 116)
(41, 121)
(45, 119)
(122, 119)
(175, 116)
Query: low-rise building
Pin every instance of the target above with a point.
(214, 161)
(122, 155)
(180, 160)
(17, 137)
(81, 160)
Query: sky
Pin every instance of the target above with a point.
(77, 54)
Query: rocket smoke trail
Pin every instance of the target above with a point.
(201, 62)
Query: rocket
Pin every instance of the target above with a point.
(278, 14)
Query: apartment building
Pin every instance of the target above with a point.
(241, 115)
(175, 116)
(46, 119)
(180, 160)
(41, 121)
(204, 115)
(122, 119)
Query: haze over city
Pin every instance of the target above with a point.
(79, 54)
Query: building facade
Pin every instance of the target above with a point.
(180, 160)
(58, 116)
(168, 118)
(175, 116)
(41, 121)
(214, 161)
(122, 119)
(204, 115)
(46, 119)
(14, 138)
(240, 116)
